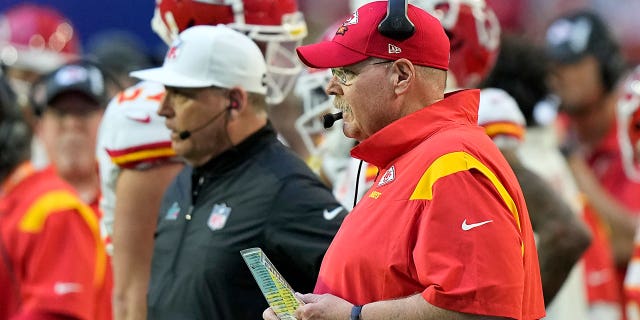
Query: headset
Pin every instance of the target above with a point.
(36, 98)
(395, 25)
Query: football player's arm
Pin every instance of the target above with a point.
(562, 236)
(619, 218)
(139, 194)
(283, 116)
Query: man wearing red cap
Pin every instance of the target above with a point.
(444, 231)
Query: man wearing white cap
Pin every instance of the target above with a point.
(241, 189)
(444, 232)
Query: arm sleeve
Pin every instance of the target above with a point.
(469, 248)
(303, 221)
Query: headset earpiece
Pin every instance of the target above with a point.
(233, 104)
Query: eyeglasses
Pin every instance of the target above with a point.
(344, 76)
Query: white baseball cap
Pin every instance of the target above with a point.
(204, 56)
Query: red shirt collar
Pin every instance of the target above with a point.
(381, 148)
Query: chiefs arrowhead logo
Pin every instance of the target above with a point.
(174, 51)
(341, 31)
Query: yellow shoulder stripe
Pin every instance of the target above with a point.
(142, 155)
(36, 216)
(454, 162)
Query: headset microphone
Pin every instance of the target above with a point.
(329, 118)
(186, 134)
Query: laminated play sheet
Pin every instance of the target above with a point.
(274, 287)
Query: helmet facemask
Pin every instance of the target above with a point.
(310, 88)
(628, 110)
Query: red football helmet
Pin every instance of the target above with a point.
(474, 33)
(629, 124)
(36, 38)
(275, 25)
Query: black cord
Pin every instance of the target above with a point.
(355, 195)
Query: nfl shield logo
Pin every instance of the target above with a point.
(219, 215)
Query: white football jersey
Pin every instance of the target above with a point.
(131, 136)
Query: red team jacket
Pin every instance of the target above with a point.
(445, 218)
(52, 257)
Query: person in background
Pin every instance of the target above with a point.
(134, 146)
(432, 260)
(628, 115)
(52, 260)
(591, 291)
(69, 103)
(34, 40)
(242, 188)
(586, 65)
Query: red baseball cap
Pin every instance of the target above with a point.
(358, 39)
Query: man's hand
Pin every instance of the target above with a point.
(317, 307)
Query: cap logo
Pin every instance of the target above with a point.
(70, 75)
(342, 30)
(174, 51)
(352, 20)
(576, 34)
(394, 49)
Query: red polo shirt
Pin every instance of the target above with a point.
(445, 218)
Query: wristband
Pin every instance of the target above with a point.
(355, 313)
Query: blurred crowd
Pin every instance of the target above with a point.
(97, 166)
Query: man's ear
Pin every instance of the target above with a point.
(404, 74)
(238, 99)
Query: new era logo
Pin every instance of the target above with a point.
(394, 49)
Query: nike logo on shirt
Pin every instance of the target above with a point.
(62, 288)
(146, 119)
(139, 116)
(467, 227)
(329, 215)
